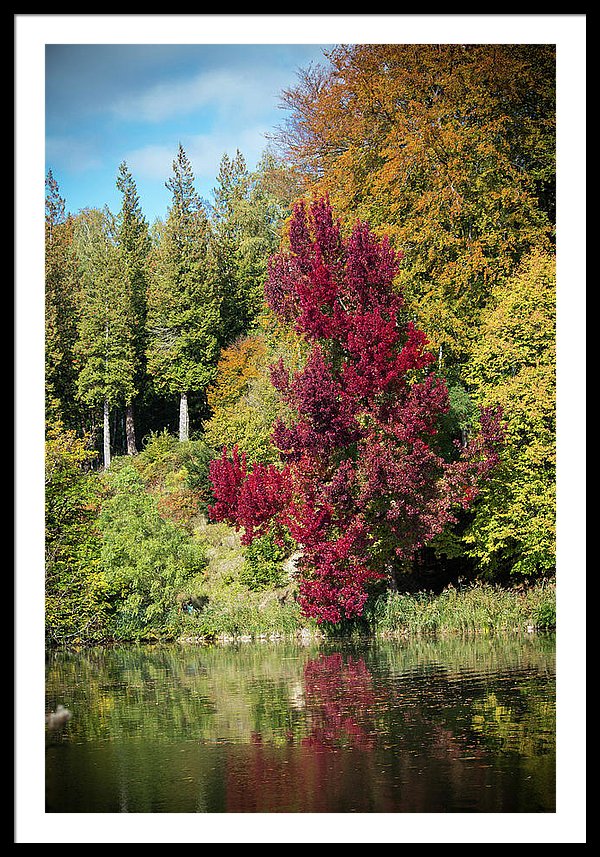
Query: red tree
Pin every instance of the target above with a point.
(362, 484)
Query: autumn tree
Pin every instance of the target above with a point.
(243, 401)
(361, 483)
(183, 304)
(514, 367)
(447, 149)
(134, 244)
(61, 286)
(105, 348)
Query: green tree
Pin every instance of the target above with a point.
(134, 243)
(246, 221)
(106, 325)
(61, 285)
(147, 561)
(183, 304)
(513, 366)
(75, 605)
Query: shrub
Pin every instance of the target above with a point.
(263, 565)
(147, 561)
(75, 584)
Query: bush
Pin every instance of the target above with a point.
(75, 609)
(147, 561)
(176, 473)
(263, 565)
(195, 456)
(245, 614)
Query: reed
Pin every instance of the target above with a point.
(480, 608)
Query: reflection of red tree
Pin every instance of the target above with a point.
(311, 776)
(339, 695)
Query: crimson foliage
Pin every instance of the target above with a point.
(361, 485)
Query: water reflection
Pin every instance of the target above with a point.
(447, 726)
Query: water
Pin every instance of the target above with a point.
(377, 727)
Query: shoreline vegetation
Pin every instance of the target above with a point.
(480, 609)
(143, 564)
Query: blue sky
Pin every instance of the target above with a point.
(105, 104)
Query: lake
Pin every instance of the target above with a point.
(423, 726)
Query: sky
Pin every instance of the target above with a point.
(105, 104)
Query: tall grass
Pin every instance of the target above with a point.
(480, 608)
(245, 615)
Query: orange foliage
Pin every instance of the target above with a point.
(237, 365)
(448, 149)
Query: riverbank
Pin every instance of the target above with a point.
(234, 612)
(480, 609)
(149, 566)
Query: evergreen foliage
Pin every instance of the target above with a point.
(133, 239)
(62, 280)
(183, 304)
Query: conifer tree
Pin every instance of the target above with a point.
(61, 284)
(231, 189)
(246, 219)
(134, 244)
(183, 305)
(105, 347)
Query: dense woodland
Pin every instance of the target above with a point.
(345, 360)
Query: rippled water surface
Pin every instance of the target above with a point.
(427, 726)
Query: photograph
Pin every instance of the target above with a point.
(300, 467)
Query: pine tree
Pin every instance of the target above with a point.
(183, 305)
(246, 222)
(231, 188)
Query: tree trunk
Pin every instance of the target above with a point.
(130, 429)
(106, 436)
(184, 424)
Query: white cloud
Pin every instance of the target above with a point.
(76, 155)
(220, 90)
(204, 152)
(151, 162)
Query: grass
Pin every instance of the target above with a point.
(480, 608)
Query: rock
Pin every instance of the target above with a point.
(290, 566)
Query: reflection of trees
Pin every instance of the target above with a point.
(374, 727)
(309, 774)
(339, 697)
